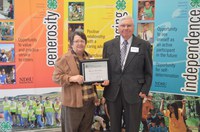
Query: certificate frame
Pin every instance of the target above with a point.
(94, 70)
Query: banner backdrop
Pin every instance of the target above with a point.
(35, 44)
(174, 32)
(98, 19)
(34, 33)
(39, 31)
(39, 34)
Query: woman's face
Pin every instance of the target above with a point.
(78, 45)
(171, 109)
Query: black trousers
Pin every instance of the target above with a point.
(132, 113)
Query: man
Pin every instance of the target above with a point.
(57, 111)
(24, 114)
(42, 104)
(130, 76)
(38, 114)
(146, 33)
(19, 107)
(13, 110)
(34, 102)
(28, 101)
(6, 110)
(41, 100)
(48, 107)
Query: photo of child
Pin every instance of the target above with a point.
(76, 11)
(146, 10)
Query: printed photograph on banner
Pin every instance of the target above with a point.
(6, 9)
(146, 31)
(154, 118)
(7, 74)
(7, 31)
(74, 27)
(76, 11)
(157, 105)
(7, 53)
(46, 105)
(152, 50)
(146, 10)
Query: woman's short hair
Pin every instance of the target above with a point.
(79, 33)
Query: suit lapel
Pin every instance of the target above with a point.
(131, 55)
(116, 49)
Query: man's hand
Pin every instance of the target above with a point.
(142, 95)
(105, 83)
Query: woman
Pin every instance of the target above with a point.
(175, 115)
(78, 99)
(11, 10)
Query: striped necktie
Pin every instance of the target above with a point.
(123, 52)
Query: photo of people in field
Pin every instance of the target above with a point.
(6, 9)
(7, 31)
(7, 53)
(76, 11)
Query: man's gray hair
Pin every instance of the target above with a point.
(125, 18)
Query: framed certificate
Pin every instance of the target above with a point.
(94, 70)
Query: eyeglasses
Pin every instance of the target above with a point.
(79, 41)
(128, 25)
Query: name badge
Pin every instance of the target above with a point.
(135, 49)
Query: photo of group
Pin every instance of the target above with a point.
(6, 9)
(49, 103)
(146, 31)
(7, 31)
(74, 27)
(76, 11)
(146, 10)
(7, 53)
(7, 74)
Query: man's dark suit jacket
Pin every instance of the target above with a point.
(137, 74)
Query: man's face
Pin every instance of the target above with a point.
(126, 28)
(145, 28)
